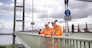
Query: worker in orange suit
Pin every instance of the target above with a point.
(46, 30)
(40, 31)
(57, 29)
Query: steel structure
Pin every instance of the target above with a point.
(18, 20)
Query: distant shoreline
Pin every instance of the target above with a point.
(6, 34)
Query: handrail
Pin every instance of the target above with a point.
(63, 37)
(74, 38)
(71, 42)
(55, 41)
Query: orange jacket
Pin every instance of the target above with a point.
(58, 30)
(46, 31)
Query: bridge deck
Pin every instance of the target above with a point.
(36, 41)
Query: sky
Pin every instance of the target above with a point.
(44, 11)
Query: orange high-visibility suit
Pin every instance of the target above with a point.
(46, 31)
(57, 30)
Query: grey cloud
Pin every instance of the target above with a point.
(61, 21)
(86, 0)
(55, 14)
(44, 15)
(6, 2)
(78, 10)
(75, 14)
(80, 13)
(8, 8)
(78, 4)
(58, 15)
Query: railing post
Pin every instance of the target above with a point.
(73, 43)
(69, 43)
(80, 44)
(88, 44)
(59, 43)
(84, 45)
(65, 43)
(53, 41)
(76, 44)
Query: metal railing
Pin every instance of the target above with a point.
(68, 42)
(36, 41)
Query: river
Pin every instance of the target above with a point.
(7, 40)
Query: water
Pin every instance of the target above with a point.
(6, 39)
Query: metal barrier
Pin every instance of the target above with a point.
(36, 41)
(68, 42)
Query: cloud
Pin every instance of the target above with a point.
(58, 15)
(77, 4)
(86, 0)
(52, 9)
(6, 2)
(76, 10)
(46, 10)
(78, 13)
(79, 10)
